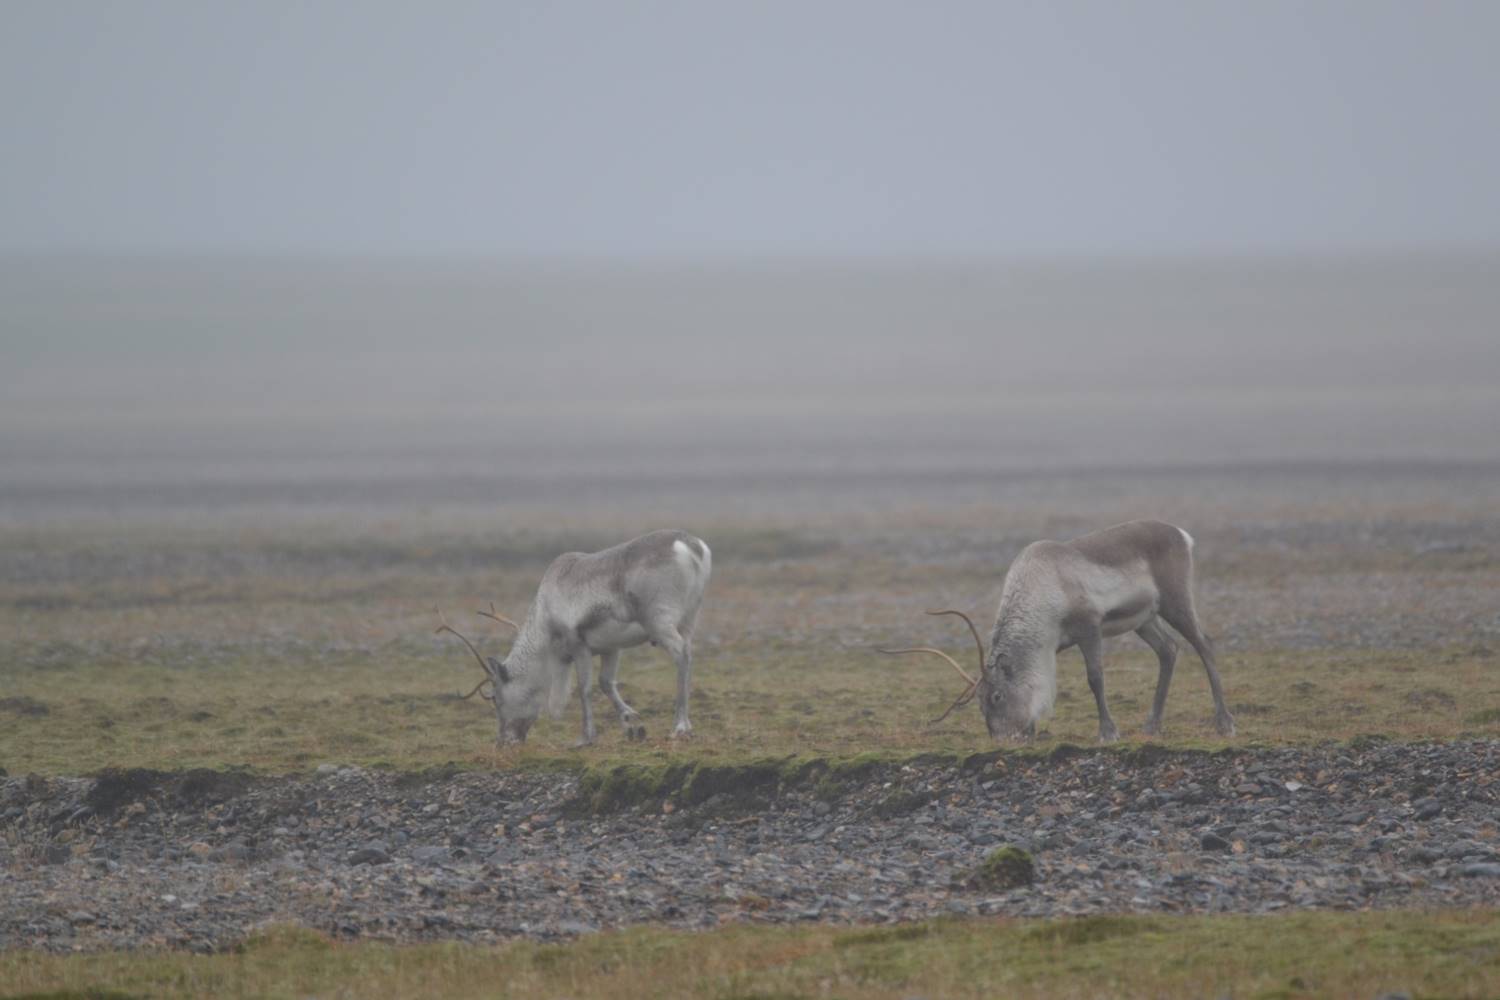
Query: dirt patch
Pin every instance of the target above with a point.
(748, 785)
(427, 776)
(202, 786)
(726, 788)
(116, 787)
(24, 705)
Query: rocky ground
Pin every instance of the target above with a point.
(200, 859)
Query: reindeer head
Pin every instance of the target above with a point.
(1007, 712)
(516, 707)
(1007, 706)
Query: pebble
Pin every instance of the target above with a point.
(1428, 808)
(362, 853)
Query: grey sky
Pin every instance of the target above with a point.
(762, 129)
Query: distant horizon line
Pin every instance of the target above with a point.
(955, 260)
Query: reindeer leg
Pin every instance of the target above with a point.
(681, 647)
(1223, 721)
(1177, 610)
(584, 663)
(609, 665)
(1165, 646)
(1091, 645)
(1186, 623)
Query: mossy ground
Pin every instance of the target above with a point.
(1294, 955)
(177, 706)
(1005, 868)
(396, 707)
(131, 646)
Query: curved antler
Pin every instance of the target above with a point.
(486, 697)
(928, 649)
(492, 613)
(962, 699)
(488, 677)
(972, 631)
(968, 692)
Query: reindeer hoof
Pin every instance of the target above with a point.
(1152, 727)
(635, 733)
(1109, 735)
(1226, 725)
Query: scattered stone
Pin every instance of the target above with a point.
(354, 853)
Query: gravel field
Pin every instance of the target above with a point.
(200, 859)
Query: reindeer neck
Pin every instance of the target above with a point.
(1019, 641)
(530, 653)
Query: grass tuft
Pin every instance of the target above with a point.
(1005, 867)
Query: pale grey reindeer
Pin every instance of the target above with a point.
(1131, 577)
(597, 603)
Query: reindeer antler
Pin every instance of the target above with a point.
(488, 679)
(492, 613)
(972, 631)
(938, 652)
(486, 697)
(969, 692)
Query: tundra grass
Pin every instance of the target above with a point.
(1449, 953)
(72, 710)
(280, 648)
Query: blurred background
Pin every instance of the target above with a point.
(278, 257)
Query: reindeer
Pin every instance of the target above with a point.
(597, 603)
(1131, 577)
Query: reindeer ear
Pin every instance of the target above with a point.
(498, 669)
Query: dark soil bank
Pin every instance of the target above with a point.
(199, 860)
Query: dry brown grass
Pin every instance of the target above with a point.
(1295, 955)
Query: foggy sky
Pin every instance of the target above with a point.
(284, 242)
(690, 130)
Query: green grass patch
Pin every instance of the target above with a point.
(176, 647)
(1316, 954)
(1005, 868)
(289, 710)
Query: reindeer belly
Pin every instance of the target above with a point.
(608, 635)
(1130, 614)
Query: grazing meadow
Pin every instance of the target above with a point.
(1346, 604)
